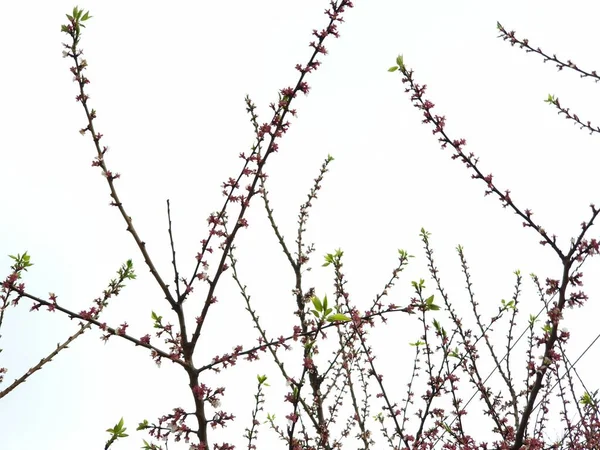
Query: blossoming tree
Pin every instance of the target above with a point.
(336, 395)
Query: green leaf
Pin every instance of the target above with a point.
(418, 286)
(532, 320)
(393, 69)
(429, 305)
(142, 425)
(261, 379)
(404, 254)
(317, 303)
(23, 260)
(157, 319)
(333, 258)
(118, 430)
(378, 417)
(338, 318)
(586, 399)
(508, 304)
(129, 270)
(400, 62)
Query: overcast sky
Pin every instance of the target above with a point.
(168, 81)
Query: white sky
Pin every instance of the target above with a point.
(168, 82)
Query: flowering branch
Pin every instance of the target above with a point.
(22, 263)
(510, 36)
(580, 248)
(73, 29)
(182, 344)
